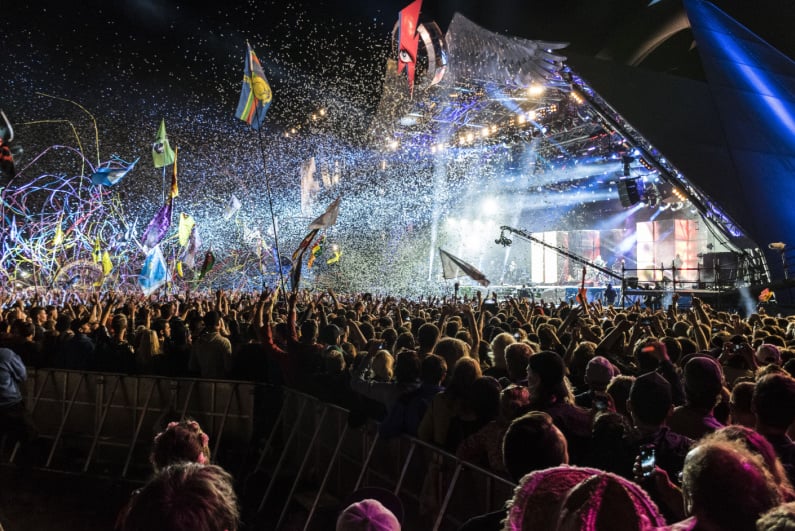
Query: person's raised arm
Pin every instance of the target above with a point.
(609, 341)
(474, 331)
(291, 329)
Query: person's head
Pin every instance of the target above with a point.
(404, 340)
(212, 321)
(427, 336)
(184, 497)
(433, 370)
(608, 501)
(516, 357)
(407, 367)
(773, 402)
(781, 518)
(546, 378)
(118, 324)
(180, 441)
(727, 487)
(162, 327)
(485, 398)
(330, 335)
(740, 404)
(148, 344)
(309, 331)
(382, 365)
(650, 400)
(533, 442)
(599, 372)
(703, 382)
(498, 345)
(451, 350)
(334, 361)
(367, 515)
(465, 372)
(38, 315)
(23, 329)
(767, 354)
(756, 444)
(618, 389)
(513, 400)
(538, 496)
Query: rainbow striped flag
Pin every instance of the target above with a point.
(255, 96)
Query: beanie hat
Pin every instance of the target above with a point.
(367, 515)
(608, 501)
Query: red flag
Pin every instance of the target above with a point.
(408, 40)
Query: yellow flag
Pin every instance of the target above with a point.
(107, 265)
(97, 254)
(179, 269)
(186, 223)
(58, 238)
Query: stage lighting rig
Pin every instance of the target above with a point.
(502, 240)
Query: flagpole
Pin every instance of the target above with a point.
(273, 218)
(163, 187)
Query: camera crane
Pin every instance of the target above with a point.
(504, 241)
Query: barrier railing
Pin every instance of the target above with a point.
(103, 425)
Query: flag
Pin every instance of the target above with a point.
(162, 154)
(114, 172)
(309, 187)
(6, 155)
(295, 274)
(231, 207)
(186, 223)
(334, 259)
(179, 269)
(408, 40)
(305, 243)
(107, 265)
(158, 227)
(58, 238)
(154, 273)
(194, 242)
(453, 267)
(255, 96)
(174, 192)
(209, 262)
(329, 217)
(766, 295)
(282, 262)
(97, 253)
(316, 251)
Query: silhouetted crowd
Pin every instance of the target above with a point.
(605, 417)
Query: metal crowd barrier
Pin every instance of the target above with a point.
(103, 424)
(306, 451)
(317, 459)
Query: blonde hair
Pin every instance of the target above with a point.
(382, 365)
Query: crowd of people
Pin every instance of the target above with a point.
(605, 417)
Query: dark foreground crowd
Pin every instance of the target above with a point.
(606, 418)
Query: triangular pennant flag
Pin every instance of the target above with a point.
(113, 173)
(255, 95)
(158, 227)
(174, 192)
(162, 154)
(209, 262)
(186, 223)
(329, 217)
(154, 273)
(305, 243)
(453, 267)
(231, 208)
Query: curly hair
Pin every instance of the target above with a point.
(182, 441)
